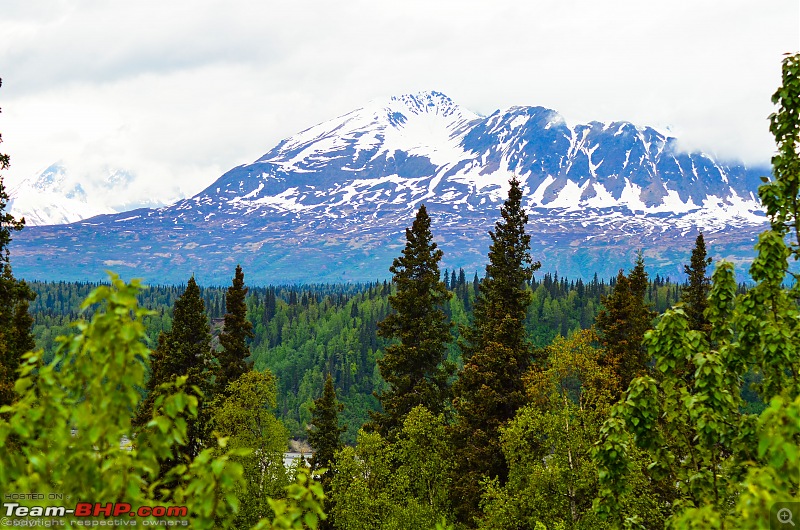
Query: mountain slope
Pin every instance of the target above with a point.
(332, 202)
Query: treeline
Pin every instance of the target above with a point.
(303, 332)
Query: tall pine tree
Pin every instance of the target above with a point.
(325, 432)
(489, 389)
(622, 323)
(185, 350)
(233, 339)
(415, 367)
(695, 294)
(16, 336)
(325, 438)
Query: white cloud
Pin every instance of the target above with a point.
(179, 92)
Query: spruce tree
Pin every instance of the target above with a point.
(695, 295)
(16, 334)
(324, 437)
(622, 322)
(185, 350)
(415, 367)
(489, 389)
(324, 434)
(233, 339)
(16, 337)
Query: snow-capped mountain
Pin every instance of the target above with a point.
(53, 197)
(332, 202)
(58, 196)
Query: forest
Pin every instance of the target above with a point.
(503, 401)
(302, 333)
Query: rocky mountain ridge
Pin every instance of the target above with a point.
(331, 203)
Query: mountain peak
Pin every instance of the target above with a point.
(427, 101)
(333, 201)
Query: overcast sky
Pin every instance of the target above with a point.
(180, 92)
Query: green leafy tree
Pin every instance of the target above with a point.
(730, 469)
(244, 415)
(552, 477)
(489, 389)
(695, 294)
(622, 323)
(107, 362)
(379, 485)
(302, 507)
(415, 368)
(185, 350)
(233, 339)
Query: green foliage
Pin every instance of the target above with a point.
(325, 432)
(334, 334)
(695, 295)
(729, 467)
(15, 322)
(334, 331)
(185, 350)
(244, 415)
(415, 367)
(324, 435)
(489, 389)
(503, 299)
(622, 323)
(781, 195)
(302, 507)
(398, 486)
(547, 445)
(37, 453)
(16, 337)
(233, 339)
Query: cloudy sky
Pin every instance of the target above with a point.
(178, 92)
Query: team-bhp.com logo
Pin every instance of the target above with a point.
(119, 510)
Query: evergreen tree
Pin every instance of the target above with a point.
(16, 336)
(324, 436)
(622, 323)
(185, 350)
(325, 432)
(496, 354)
(695, 295)
(233, 339)
(415, 367)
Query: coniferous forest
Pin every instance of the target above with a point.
(503, 398)
(302, 333)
